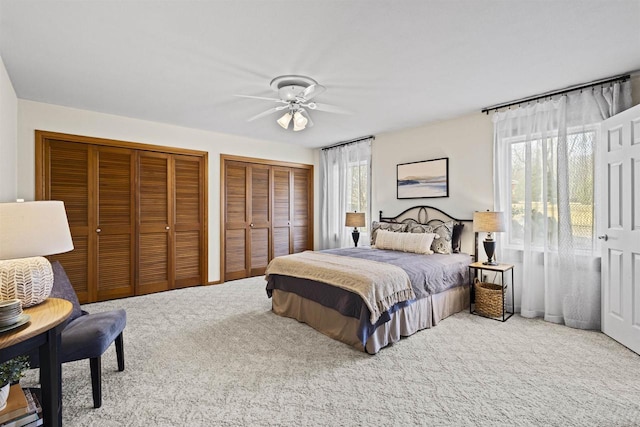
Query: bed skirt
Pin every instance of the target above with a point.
(421, 314)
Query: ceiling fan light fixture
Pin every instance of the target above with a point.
(299, 121)
(284, 120)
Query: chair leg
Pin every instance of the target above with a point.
(120, 352)
(96, 381)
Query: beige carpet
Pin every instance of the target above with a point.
(216, 355)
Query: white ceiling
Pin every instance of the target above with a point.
(394, 64)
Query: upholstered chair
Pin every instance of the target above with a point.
(86, 336)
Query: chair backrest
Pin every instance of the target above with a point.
(63, 289)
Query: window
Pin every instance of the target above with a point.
(537, 159)
(345, 187)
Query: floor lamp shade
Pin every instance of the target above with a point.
(355, 220)
(28, 232)
(489, 222)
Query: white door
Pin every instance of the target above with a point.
(621, 228)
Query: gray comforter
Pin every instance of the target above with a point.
(429, 274)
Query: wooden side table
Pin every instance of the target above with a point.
(42, 332)
(500, 268)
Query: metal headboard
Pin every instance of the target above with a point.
(423, 214)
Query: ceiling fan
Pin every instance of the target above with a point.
(295, 94)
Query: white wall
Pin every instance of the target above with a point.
(38, 116)
(635, 89)
(468, 143)
(8, 137)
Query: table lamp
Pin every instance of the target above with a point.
(28, 232)
(489, 222)
(355, 220)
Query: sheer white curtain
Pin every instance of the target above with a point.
(545, 180)
(345, 186)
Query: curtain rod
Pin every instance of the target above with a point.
(621, 78)
(349, 142)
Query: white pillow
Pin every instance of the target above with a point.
(419, 243)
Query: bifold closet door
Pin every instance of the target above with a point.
(302, 210)
(115, 225)
(138, 216)
(155, 242)
(260, 219)
(189, 220)
(282, 211)
(67, 166)
(247, 219)
(236, 220)
(267, 212)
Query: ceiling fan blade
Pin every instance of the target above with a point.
(312, 91)
(266, 113)
(260, 97)
(330, 108)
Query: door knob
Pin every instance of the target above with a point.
(603, 237)
(251, 225)
(98, 230)
(167, 227)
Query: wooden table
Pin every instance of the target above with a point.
(42, 332)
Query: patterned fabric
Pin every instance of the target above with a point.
(445, 231)
(419, 228)
(388, 226)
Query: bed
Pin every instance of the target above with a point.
(330, 290)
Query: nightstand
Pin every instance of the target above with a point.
(500, 268)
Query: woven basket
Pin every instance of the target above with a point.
(489, 298)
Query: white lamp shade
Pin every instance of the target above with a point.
(489, 222)
(284, 120)
(29, 229)
(299, 121)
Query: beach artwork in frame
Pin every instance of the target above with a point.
(425, 179)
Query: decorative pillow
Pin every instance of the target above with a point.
(419, 228)
(388, 226)
(455, 238)
(445, 231)
(419, 243)
(62, 289)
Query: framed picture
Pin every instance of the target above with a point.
(425, 179)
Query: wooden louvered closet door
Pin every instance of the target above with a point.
(155, 193)
(115, 226)
(282, 211)
(137, 216)
(67, 165)
(260, 219)
(266, 212)
(302, 213)
(236, 220)
(189, 220)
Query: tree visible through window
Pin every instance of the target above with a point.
(358, 179)
(539, 155)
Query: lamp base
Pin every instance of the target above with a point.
(28, 279)
(490, 249)
(356, 236)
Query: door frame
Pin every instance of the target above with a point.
(224, 158)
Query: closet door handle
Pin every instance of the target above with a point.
(251, 225)
(603, 237)
(98, 230)
(167, 228)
